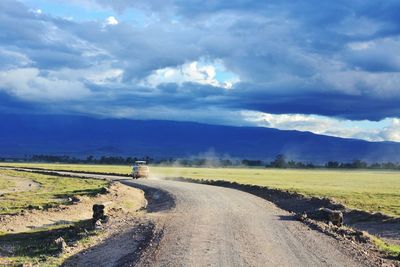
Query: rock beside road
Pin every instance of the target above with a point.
(100, 215)
(98, 212)
(61, 245)
(326, 215)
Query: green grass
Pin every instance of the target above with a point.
(38, 247)
(375, 191)
(53, 191)
(391, 249)
(6, 183)
(76, 167)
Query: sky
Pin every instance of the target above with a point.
(329, 67)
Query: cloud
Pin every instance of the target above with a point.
(378, 55)
(392, 131)
(111, 21)
(334, 59)
(10, 58)
(30, 84)
(382, 84)
(385, 130)
(194, 72)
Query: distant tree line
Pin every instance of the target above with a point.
(280, 162)
(359, 164)
(88, 160)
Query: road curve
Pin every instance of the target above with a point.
(216, 226)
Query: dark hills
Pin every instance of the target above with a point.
(81, 136)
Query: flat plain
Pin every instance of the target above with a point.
(369, 190)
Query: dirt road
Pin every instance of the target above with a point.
(214, 226)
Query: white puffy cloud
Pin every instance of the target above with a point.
(384, 130)
(392, 131)
(111, 21)
(193, 72)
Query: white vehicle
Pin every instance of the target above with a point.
(140, 169)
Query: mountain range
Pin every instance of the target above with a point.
(23, 135)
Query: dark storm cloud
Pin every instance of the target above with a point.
(335, 58)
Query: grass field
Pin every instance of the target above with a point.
(360, 189)
(6, 184)
(53, 190)
(75, 167)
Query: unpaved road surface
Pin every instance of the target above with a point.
(215, 226)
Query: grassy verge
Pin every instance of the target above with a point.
(38, 247)
(53, 191)
(392, 249)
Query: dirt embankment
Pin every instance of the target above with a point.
(118, 240)
(128, 238)
(120, 197)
